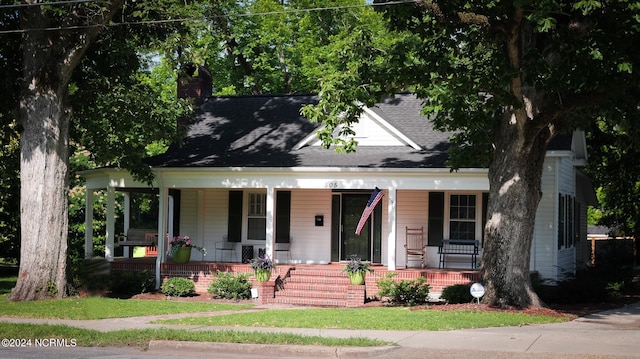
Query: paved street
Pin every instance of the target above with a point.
(611, 334)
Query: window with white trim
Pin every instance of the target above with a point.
(257, 217)
(462, 216)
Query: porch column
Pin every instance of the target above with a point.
(269, 246)
(163, 207)
(201, 222)
(170, 209)
(127, 219)
(88, 224)
(391, 239)
(111, 223)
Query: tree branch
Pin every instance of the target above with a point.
(460, 17)
(79, 41)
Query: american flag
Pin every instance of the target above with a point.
(376, 196)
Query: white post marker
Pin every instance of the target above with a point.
(477, 291)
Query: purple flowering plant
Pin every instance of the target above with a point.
(178, 242)
(262, 263)
(357, 265)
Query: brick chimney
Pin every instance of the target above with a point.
(196, 86)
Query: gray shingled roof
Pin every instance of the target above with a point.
(261, 131)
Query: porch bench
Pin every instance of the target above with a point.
(137, 237)
(468, 247)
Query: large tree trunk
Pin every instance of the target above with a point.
(515, 177)
(43, 171)
(515, 191)
(43, 195)
(49, 58)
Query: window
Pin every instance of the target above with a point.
(257, 217)
(462, 216)
(567, 222)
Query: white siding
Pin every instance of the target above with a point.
(566, 184)
(558, 177)
(544, 246)
(189, 221)
(566, 179)
(203, 216)
(310, 244)
(371, 133)
(413, 212)
(412, 208)
(189, 213)
(215, 214)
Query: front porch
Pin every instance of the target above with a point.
(301, 284)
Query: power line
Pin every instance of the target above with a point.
(65, 2)
(159, 22)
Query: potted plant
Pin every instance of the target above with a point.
(357, 269)
(262, 267)
(180, 249)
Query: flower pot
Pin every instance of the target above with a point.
(357, 278)
(183, 255)
(262, 275)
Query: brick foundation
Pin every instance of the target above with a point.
(287, 277)
(356, 295)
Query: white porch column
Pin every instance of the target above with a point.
(170, 210)
(127, 219)
(88, 223)
(269, 245)
(111, 223)
(163, 207)
(201, 222)
(392, 239)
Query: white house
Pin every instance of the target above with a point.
(252, 172)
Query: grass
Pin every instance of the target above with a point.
(141, 337)
(98, 307)
(101, 308)
(380, 318)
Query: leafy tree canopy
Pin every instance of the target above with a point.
(508, 76)
(266, 46)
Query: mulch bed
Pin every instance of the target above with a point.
(557, 310)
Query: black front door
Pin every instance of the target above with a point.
(352, 207)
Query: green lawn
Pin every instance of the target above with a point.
(100, 308)
(141, 337)
(381, 318)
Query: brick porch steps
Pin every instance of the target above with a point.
(313, 287)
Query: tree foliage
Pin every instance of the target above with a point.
(69, 75)
(614, 155)
(508, 76)
(275, 46)
(9, 140)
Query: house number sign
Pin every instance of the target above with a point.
(332, 184)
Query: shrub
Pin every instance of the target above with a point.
(230, 286)
(120, 284)
(591, 285)
(411, 292)
(179, 287)
(455, 294)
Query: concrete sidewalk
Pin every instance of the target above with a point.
(613, 333)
